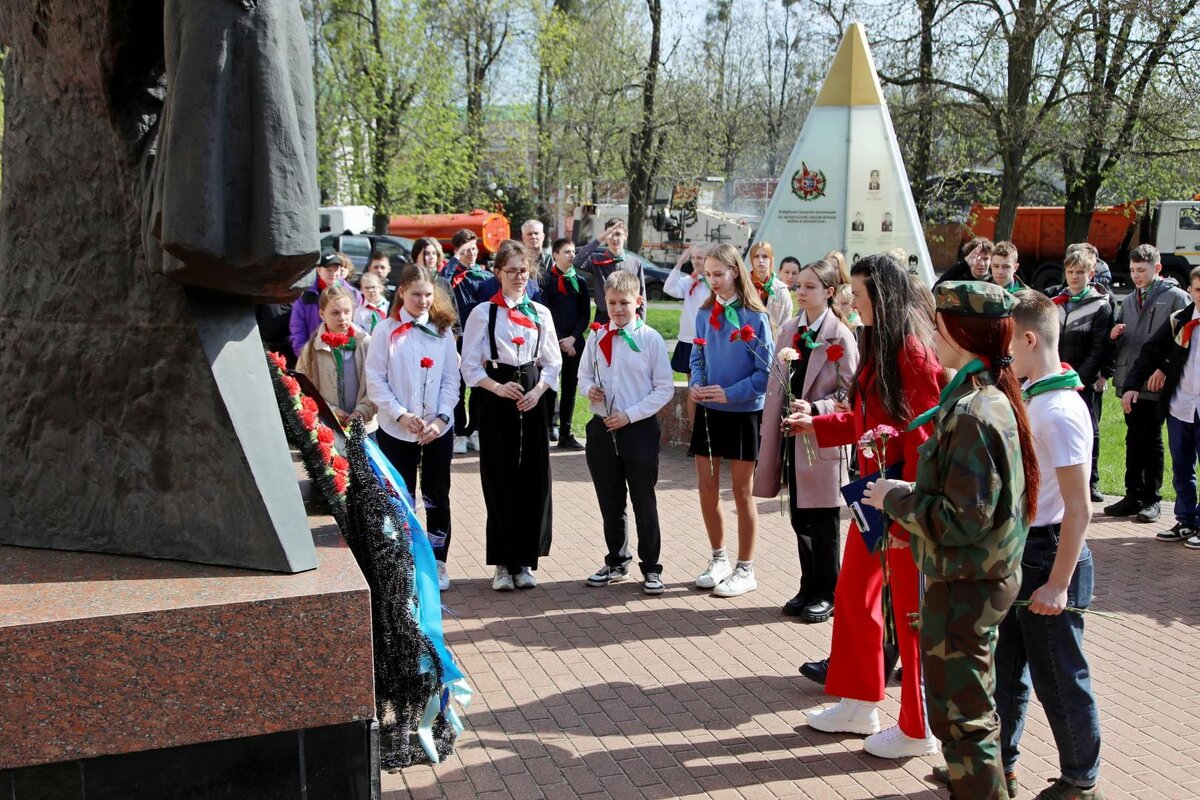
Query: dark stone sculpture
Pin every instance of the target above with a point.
(159, 174)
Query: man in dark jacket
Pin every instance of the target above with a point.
(604, 256)
(565, 293)
(1142, 313)
(1169, 363)
(1085, 316)
(975, 264)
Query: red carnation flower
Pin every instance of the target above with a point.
(335, 339)
(325, 451)
(834, 352)
(733, 337)
(308, 404)
(699, 342)
(426, 362)
(518, 340)
(595, 326)
(746, 333)
(276, 359)
(324, 434)
(340, 482)
(308, 419)
(340, 464)
(291, 384)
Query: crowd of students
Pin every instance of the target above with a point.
(801, 376)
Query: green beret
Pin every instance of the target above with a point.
(974, 299)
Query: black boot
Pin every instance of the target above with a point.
(891, 657)
(816, 671)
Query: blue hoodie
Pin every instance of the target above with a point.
(742, 368)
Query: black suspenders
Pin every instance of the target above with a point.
(495, 359)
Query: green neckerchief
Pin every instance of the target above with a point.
(570, 276)
(1013, 287)
(526, 308)
(1067, 379)
(729, 310)
(768, 287)
(809, 337)
(944, 398)
(628, 337)
(349, 346)
(1075, 298)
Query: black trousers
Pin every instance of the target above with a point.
(1095, 404)
(1143, 452)
(627, 467)
(819, 544)
(568, 388)
(434, 462)
(514, 469)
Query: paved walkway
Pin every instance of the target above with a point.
(603, 693)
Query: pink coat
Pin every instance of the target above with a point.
(817, 485)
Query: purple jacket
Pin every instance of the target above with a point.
(306, 314)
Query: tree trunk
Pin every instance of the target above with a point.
(923, 145)
(643, 152)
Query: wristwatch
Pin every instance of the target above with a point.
(443, 418)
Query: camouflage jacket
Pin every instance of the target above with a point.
(967, 508)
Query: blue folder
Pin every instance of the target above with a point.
(868, 519)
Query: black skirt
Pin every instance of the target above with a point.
(725, 434)
(681, 359)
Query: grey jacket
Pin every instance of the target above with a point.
(1163, 298)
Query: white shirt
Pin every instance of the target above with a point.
(1062, 437)
(680, 285)
(399, 385)
(1186, 400)
(638, 383)
(365, 317)
(779, 306)
(477, 350)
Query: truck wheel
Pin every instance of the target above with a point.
(654, 292)
(1047, 275)
(1178, 268)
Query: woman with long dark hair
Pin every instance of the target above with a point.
(969, 513)
(898, 377)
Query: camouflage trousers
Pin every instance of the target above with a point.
(959, 620)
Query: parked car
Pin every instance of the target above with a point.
(359, 247)
(656, 277)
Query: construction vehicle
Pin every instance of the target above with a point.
(491, 228)
(1039, 232)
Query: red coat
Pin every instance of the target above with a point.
(923, 380)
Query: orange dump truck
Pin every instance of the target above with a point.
(490, 227)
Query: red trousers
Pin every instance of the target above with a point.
(856, 659)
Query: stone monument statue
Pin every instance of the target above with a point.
(159, 177)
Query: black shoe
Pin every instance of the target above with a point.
(1148, 513)
(816, 671)
(1097, 496)
(794, 607)
(569, 442)
(817, 611)
(1125, 507)
(554, 434)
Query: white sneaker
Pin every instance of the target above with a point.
(460, 445)
(845, 716)
(473, 441)
(718, 570)
(741, 581)
(443, 576)
(895, 743)
(502, 581)
(525, 579)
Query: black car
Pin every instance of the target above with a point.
(359, 247)
(656, 277)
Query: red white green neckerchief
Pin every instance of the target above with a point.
(523, 313)
(1065, 296)
(1184, 336)
(766, 289)
(405, 327)
(563, 277)
(729, 312)
(461, 271)
(605, 262)
(696, 283)
(606, 343)
(1066, 379)
(960, 377)
(321, 284)
(376, 315)
(807, 334)
(340, 343)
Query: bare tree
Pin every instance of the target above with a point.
(778, 95)
(646, 142)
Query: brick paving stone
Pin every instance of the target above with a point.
(610, 693)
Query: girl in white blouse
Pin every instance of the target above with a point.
(412, 376)
(510, 355)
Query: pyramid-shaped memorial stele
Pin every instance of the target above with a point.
(845, 187)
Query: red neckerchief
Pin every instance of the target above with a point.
(321, 285)
(514, 316)
(696, 283)
(605, 262)
(370, 307)
(716, 315)
(1185, 336)
(562, 279)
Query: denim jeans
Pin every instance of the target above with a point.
(1049, 650)
(1184, 439)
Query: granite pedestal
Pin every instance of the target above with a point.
(124, 677)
